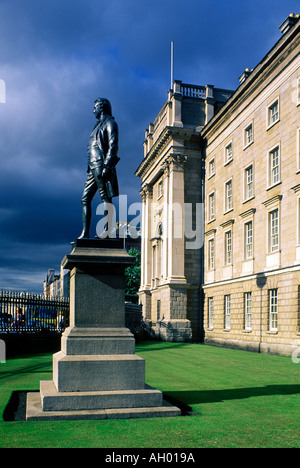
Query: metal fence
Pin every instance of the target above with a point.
(26, 312)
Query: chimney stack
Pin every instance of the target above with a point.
(289, 23)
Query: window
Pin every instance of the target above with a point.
(228, 195)
(274, 231)
(298, 321)
(298, 148)
(210, 312)
(298, 221)
(273, 113)
(248, 136)
(211, 168)
(248, 240)
(273, 309)
(248, 310)
(211, 206)
(298, 91)
(274, 166)
(228, 248)
(211, 254)
(249, 192)
(228, 153)
(227, 306)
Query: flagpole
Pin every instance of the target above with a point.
(172, 63)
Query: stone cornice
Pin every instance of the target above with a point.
(272, 201)
(162, 141)
(228, 223)
(249, 212)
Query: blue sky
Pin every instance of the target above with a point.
(56, 57)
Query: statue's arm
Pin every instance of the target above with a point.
(111, 158)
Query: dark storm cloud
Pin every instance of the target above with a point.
(56, 57)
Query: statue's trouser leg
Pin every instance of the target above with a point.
(108, 211)
(88, 194)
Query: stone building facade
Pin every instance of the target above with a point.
(252, 214)
(172, 220)
(225, 167)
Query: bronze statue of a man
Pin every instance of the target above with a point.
(102, 160)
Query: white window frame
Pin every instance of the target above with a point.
(227, 311)
(228, 198)
(298, 221)
(211, 206)
(248, 310)
(298, 91)
(228, 153)
(247, 194)
(211, 168)
(273, 230)
(210, 312)
(228, 247)
(298, 149)
(248, 243)
(271, 179)
(270, 121)
(247, 141)
(273, 309)
(211, 253)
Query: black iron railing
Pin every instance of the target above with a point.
(27, 312)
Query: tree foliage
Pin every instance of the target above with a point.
(133, 273)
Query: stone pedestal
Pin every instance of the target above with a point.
(97, 374)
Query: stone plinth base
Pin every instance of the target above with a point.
(35, 412)
(97, 374)
(88, 341)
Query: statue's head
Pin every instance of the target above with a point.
(102, 106)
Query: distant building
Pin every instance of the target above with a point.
(51, 284)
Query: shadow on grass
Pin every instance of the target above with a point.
(34, 369)
(16, 408)
(217, 396)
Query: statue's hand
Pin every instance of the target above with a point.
(105, 172)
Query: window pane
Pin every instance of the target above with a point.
(228, 248)
(249, 135)
(211, 254)
(249, 182)
(228, 194)
(210, 311)
(211, 206)
(248, 310)
(274, 165)
(228, 153)
(273, 309)
(211, 167)
(274, 230)
(249, 240)
(274, 113)
(227, 311)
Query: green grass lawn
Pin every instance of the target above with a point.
(242, 399)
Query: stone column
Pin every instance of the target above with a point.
(175, 326)
(176, 219)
